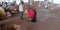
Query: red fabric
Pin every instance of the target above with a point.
(31, 14)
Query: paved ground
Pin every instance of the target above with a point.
(45, 21)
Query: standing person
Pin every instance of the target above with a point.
(21, 10)
(32, 14)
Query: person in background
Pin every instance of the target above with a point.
(4, 5)
(9, 4)
(21, 9)
(32, 14)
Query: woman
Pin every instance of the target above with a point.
(32, 14)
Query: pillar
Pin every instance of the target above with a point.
(39, 3)
(46, 3)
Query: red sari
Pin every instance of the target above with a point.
(31, 14)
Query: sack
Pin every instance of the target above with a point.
(25, 14)
(8, 14)
(2, 12)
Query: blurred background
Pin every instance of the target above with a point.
(48, 14)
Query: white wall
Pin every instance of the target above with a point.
(56, 1)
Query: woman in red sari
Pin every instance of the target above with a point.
(32, 14)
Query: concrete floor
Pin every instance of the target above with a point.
(45, 21)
